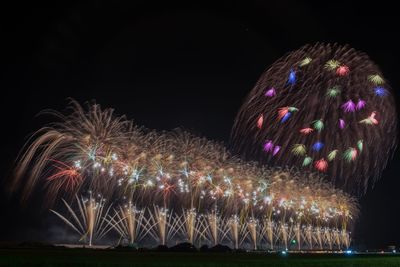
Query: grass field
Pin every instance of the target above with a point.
(102, 258)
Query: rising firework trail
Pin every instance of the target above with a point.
(129, 222)
(90, 219)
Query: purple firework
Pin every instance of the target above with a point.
(276, 150)
(271, 92)
(360, 104)
(342, 124)
(349, 106)
(268, 146)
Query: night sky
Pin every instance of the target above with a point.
(174, 66)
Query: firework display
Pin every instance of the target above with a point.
(157, 225)
(91, 221)
(324, 108)
(169, 186)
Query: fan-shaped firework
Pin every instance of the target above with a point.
(95, 150)
(331, 111)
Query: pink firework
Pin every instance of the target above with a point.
(342, 70)
(349, 106)
(306, 130)
(282, 112)
(271, 92)
(350, 154)
(260, 121)
(372, 118)
(354, 154)
(321, 165)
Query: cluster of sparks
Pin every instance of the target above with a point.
(95, 219)
(323, 107)
(95, 150)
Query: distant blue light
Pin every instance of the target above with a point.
(348, 252)
(284, 252)
(292, 77)
(317, 146)
(286, 117)
(380, 91)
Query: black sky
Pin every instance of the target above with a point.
(168, 66)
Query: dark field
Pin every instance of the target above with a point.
(100, 258)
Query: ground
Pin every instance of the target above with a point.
(102, 258)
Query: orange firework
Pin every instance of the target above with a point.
(65, 176)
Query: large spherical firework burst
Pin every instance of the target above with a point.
(94, 150)
(324, 108)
